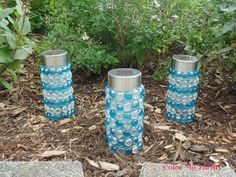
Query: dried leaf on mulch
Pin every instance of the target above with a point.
(180, 137)
(51, 153)
(65, 121)
(17, 111)
(104, 165)
(198, 148)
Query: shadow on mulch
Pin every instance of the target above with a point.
(25, 134)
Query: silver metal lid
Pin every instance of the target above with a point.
(124, 79)
(185, 63)
(54, 58)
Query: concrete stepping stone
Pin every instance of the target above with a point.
(5, 174)
(170, 170)
(41, 169)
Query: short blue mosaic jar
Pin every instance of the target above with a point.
(56, 78)
(124, 111)
(182, 88)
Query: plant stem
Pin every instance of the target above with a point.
(4, 68)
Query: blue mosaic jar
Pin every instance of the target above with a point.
(124, 111)
(182, 88)
(56, 78)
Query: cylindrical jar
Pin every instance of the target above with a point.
(56, 78)
(182, 87)
(124, 111)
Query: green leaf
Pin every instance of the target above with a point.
(11, 40)
(2, 39)
(226, 49)
(6, 85)
(5, 21)
(19, 3)
(12, 73)
(19, 6)
(5, 55)
(4, 26)
(14, 24)
(228, 9)
(24, 25)
(140, 56)
(228, 27)
(31, 43)
(5, 12)
(15, 65)
(22, 53)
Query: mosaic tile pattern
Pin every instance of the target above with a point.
(182, 95)
(124, 120)
(57, 92)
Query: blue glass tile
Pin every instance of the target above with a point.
(140, 130)
(114, 149)
(112, 113)
(121, 143)
(127, 134)
(113, 132)
(107, 123)
(140, 146)
(128, 95)
(120, 107)
(135, 105)
(134, 123)
(127, 116)
(119, 124)
(108, 103)
(112, 94)
(135, 140)
(141, 113)
(128, 151)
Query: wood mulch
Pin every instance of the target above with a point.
(26, 135)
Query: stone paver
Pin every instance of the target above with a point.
(169, 170)
(5, 174)
(41, 169)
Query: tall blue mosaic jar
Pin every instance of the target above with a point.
(56, 78)
(124, 111)
(182, 87)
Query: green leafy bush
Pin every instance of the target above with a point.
(103, 33)
(14, 45)
(38, 11)
(226, 33)
(189, 26)
(84, 52)
(194, 25)
(117, 31)
(162, 70)
(125, 27)
(206, 28)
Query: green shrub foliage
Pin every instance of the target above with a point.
(105, 33)
(14, 45)
(226, 33)
(102, 33)
(206, 28)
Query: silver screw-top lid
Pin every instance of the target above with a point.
(185, 63)
(124, 79)
(54, 58)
